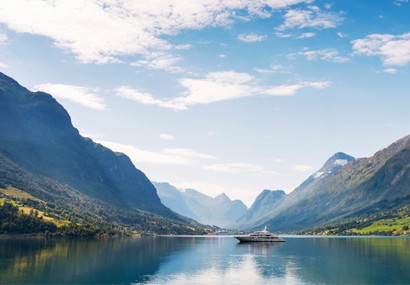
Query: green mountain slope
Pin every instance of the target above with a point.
(261, 214)
(43, 154)
(361, 188)
(266, 201)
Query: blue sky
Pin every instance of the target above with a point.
(220, 96)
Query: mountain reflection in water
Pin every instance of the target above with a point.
(205, 260)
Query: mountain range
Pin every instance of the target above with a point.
(258, 215)
(344, 188)
(42, 154)
(220, 211)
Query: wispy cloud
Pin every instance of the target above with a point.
(313, 17)
(394, 50)
(187, 152)
(275, 68)
(400, 2)
(233, 167)
(306, 35)
(283, 35)
(160, 60)
(3, 37)
(331, 55)
(302, 168)
(341, 35)
(166, 137)
(390, 70)
(77, 94)
(251, 37)
(170, 156)
(104, 31)
(217, 87)
(237, 168)
(292, 89)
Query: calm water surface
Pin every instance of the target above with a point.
(205, 260)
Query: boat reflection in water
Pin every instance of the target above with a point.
(259, 236)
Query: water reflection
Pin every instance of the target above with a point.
(199, 260)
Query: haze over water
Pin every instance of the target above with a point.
(205, 260)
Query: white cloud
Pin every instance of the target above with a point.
(166, 137)
(394, 50)
(3, 65)
(179, 156)
(302, 168)
(222, 55)
(306, 35)
(103, 31)
(283, 35)
(400, 2)
(341, 35)
(328, 6)
(292, 89)
(217, 87)
(187, 152)
(3, 37)
(311, 18)
(390, 70)
(331, 55)
(183, 47)
(77, 94)
(251, 38)
(159, 60)
(234, 167)
(274, 68)
(143, 97)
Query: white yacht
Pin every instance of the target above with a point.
(259, 236)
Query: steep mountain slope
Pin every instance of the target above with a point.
(174, 199)
(362, 187)
(264, 203)
(220, 211)
(332, 166)
(38, 140)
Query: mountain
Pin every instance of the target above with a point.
(220, 211)
(260, 214)
(264, 203)
(174, 199)
(331, 167)
(361, 188)
(43, 154)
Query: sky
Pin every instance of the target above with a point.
(220, 96)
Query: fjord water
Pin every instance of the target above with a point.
(205, 260)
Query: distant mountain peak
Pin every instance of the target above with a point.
(273, 193)
(220, 210)
(222, 198)
(332, 165)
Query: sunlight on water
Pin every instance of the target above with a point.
(204, 260)
(243, 270)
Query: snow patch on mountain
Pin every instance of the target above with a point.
(318, 174)
(341, 162)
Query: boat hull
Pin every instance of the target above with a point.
(258, 239)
